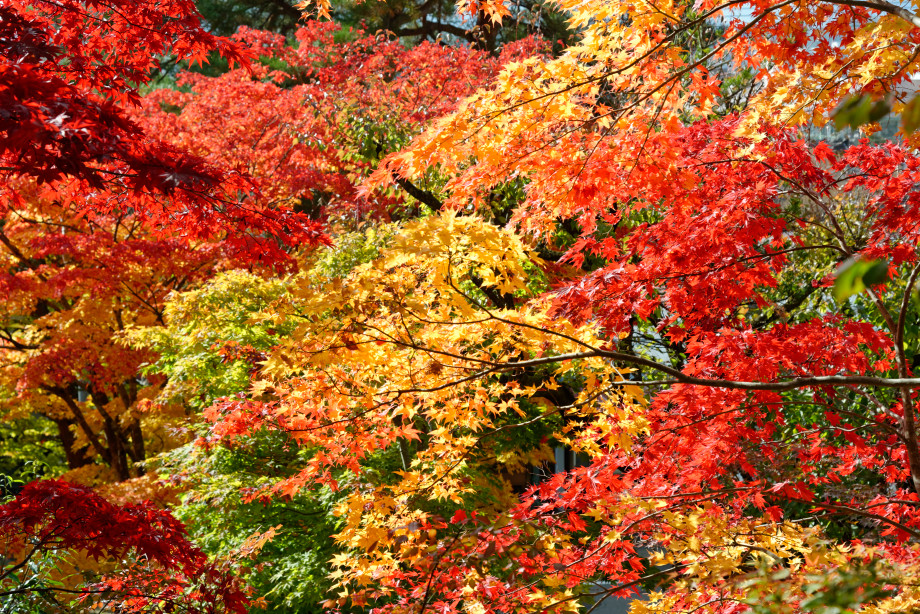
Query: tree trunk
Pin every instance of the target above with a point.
(76, 457)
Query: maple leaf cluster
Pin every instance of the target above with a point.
(50, 518)
(69, 70)
(733, 404)
(311, 121)
(600, 324)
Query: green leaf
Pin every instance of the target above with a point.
(860, 110)
(856, 274)
(876, 274)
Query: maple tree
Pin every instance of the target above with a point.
(723, 324)
(72, 284)
(69, 70)
(732, 327)
(310, 121)
(101, 220)
(50, 522)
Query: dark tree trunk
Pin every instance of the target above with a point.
(76, 457)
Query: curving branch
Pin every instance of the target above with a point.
(882, 6)
(679, 377)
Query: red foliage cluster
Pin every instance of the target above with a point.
(309, 131)
(67, 69)
(163, 567)
(66, 66)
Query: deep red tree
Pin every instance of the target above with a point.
(69, 70)
(144, 556)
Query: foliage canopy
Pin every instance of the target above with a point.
(630, 251)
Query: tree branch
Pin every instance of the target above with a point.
(884, 7)
(423, 196)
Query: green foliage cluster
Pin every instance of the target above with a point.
(201, 323)
(289, 573)
(29, 450)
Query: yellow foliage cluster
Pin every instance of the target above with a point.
(406, 352)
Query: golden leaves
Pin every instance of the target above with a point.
(410, 354)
